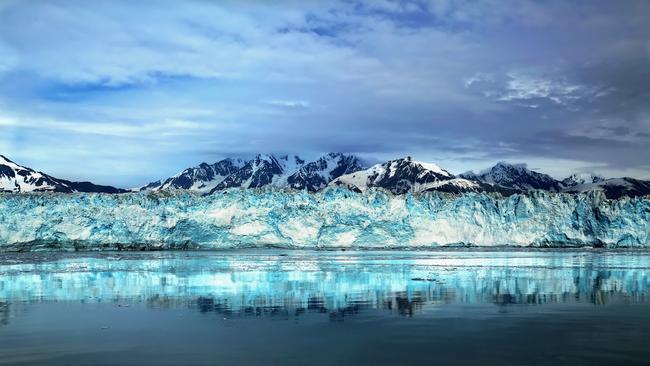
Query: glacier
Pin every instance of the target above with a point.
(335, 218)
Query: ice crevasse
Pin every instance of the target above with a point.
(332, 218)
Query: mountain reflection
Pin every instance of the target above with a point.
(339, 285)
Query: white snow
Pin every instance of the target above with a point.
(434, 168)
(20, 183)
(361, 179)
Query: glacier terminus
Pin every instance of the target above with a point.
(333, 218)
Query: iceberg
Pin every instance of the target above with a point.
(335, 218)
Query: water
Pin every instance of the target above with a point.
(326, 308)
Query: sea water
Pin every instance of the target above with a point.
(283, 307)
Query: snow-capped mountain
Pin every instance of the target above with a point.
(516, 177)
(407, 175)
(263, 170)
(17, 178)
(336, 169)
(613, 188)
(581, 178)
(398, 176)
(318, 174)
(202, 178)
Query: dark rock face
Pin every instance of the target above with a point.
(6, 171)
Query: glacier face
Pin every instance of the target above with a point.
(332, 218)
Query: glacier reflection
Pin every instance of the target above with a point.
(336, 283)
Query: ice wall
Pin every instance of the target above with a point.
(333, 218)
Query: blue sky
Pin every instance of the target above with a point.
(124, 92)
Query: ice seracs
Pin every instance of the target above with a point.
(330, 218)
(19, 179)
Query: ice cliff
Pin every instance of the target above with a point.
(333, 218)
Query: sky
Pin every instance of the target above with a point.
(126, 92)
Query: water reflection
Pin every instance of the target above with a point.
(290, 284)
(4, 313)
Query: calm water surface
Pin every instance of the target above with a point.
(272, 307)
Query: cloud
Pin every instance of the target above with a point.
(290, 103)
(170, 84)
(521, 87)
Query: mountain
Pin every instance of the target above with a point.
(515, 177)
(264, 169)
(202, 178)
(398, 176)
(318, 174)
(407, 175)
(17, 178)
(613, 188)
(519, 178)
(581, 178)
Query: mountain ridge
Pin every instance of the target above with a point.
(398, 176)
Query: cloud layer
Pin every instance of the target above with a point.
(123, 92)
